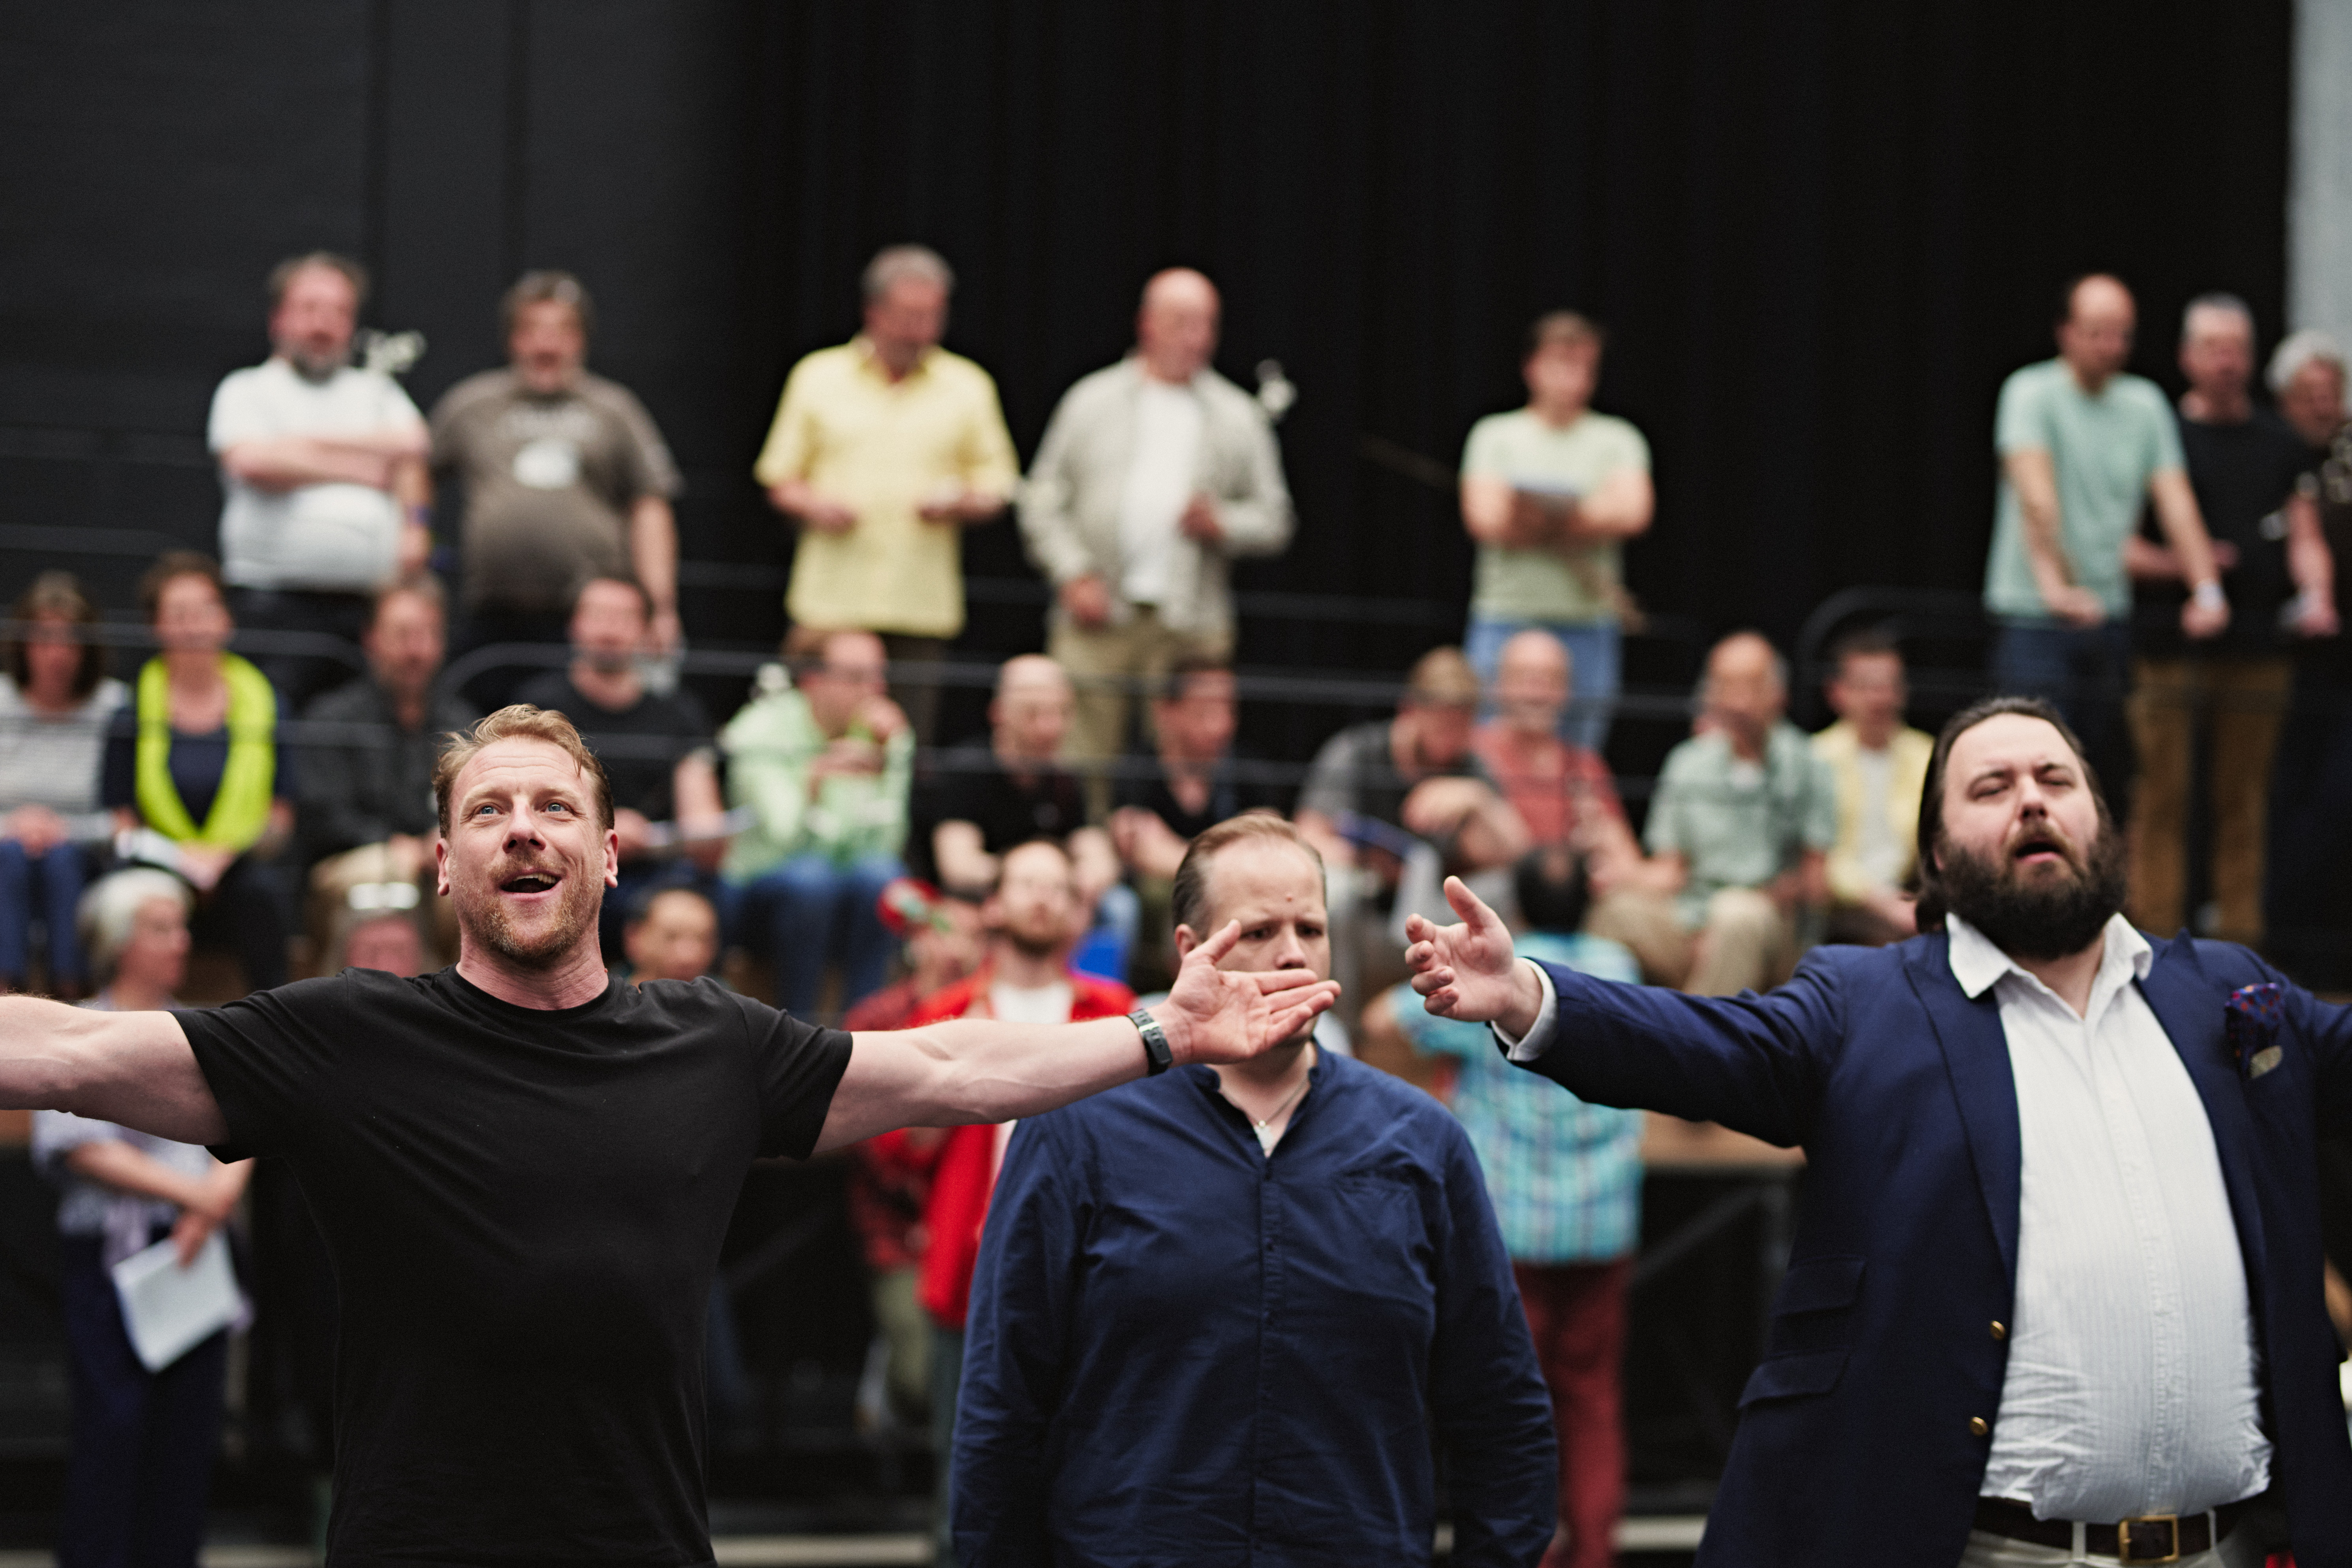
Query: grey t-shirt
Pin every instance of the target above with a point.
(55, 760)
(549, 483)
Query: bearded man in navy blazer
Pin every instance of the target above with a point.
(2055, 1291)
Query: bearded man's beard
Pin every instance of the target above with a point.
(1031, 944)
(495, 927)
(2048, 918)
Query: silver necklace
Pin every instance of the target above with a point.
(1266, 1137)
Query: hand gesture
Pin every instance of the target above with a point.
(1199, 521)
(2204, 620)
(1469, 970)
(1228, 1015)
(1087, 600)
(2076, 605)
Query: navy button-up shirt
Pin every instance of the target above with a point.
(1182, 1350)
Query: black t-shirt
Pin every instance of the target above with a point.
(524, 1208)
(1233, 789)
(2242, 475)
(969, 784)
(639, 746)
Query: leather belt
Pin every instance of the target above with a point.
(2153, 1538)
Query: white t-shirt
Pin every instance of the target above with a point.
(336, 537)
(1048, 1004)
(1160, 477)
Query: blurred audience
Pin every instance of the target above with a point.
(565, 478)
(1193, 780)
(2084, 445)
(826, 768)
(143, 1442)
(1034, 915)
(656, 746)
(323, 464)
(941, 941)
(1878, 765)
(882, 451)
(1152, 474)
(1741, 825)
(368, 817)
(2306, 375)
(193, 759)
(378, 939)
(672, 933)
(1566, 1181)
(1551, 492)
(55, 702)
(2228, 695)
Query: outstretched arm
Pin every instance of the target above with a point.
(134, 1070)
(980, 1070)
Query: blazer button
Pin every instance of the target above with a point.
(1977, 1426)
(2000, 1330)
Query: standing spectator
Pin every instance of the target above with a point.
(367, 772)
(2231, 691)
(2308, 904)
(1153, 474)
(1034, 915)
(656, 746)
(1272, 1372)
(143, 1441)
(1193, 781)
(2084, 445)
(826, 769)
(565, 478)
(55, 702)
(1741, 823)
(883, 450)
(194, 757)
(1877, 766)
(1551, 492)
(324, 467)
(1566, 1181)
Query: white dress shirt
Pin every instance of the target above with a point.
(2131, 1386)
(1160, 479)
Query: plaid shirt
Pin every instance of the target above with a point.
(1565, 1176)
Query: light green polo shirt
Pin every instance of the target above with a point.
(1740, 824)
(1577, 585)
(2104, 449)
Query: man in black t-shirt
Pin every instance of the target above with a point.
(523, 1169)
(2242, 463)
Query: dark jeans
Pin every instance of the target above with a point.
(247, 913)
(45, 889)
(490, 690)
(806, 911)
(299, 676)
(143, 1441)
(2086, 671)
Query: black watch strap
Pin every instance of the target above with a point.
(1157, 1057)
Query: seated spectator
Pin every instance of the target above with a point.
(1035, 916)
(367, 768)
(1878, 764)
(1378, 786)
(565, 478)
(1194, 781)
(942, 941)
(1566, 1181)
(193, 759)
(825, 769)
(380, 938)
(672, 934)
(1740, 826)
(55, 700)
(143, 1441)
(656, 746)
(986, 797)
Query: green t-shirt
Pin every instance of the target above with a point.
(2104, 449)
(1740, 824)
(1579, 586)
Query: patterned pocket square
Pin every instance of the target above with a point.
(2251, 1021)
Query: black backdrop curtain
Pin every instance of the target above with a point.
(1818, 232)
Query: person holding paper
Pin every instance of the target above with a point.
(143, 1441)
(524, 1169)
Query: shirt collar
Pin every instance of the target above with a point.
(1977, 963)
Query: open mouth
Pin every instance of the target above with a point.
(529, 882)
(2039, 851)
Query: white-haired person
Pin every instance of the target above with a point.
(143, 1441)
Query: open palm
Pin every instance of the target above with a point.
(1466, 971)
(1214, 1015)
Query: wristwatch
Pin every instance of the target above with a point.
(1157, 1057)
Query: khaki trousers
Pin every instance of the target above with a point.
(1747, 943)
(2239, 1549)
(1108, 664)
(2241, 702)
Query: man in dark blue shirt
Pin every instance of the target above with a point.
(1219, 1315)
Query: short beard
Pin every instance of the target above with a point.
(495, 929)
(2041, 924)
(1029, 946)
(316, 369)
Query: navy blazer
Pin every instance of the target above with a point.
(1887, 1338)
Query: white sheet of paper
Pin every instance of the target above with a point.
(168, 1310)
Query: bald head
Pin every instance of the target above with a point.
(1176, 329)
(1032, 711)
(1533, 677)
(1746, 690)
(2096, 336)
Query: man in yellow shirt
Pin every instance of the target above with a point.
(882, 450)
(1880, 765)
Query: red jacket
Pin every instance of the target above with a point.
(965, 1174)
